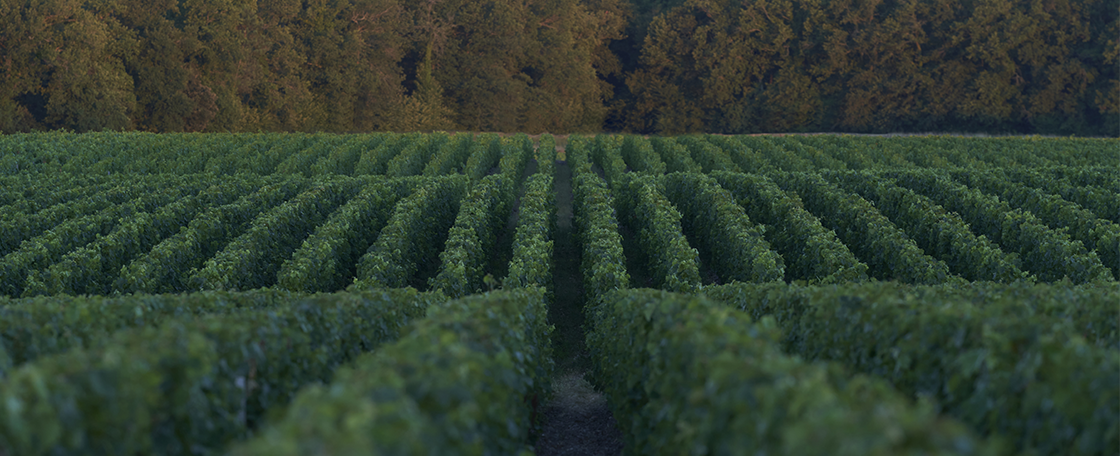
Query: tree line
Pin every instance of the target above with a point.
(644, 66)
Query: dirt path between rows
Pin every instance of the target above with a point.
(577, 420)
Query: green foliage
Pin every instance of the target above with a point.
(94, 268)
(49, 247)
(707, 155)
(192, 384)
(485, 154)
(810, 252)
(451, 156)
(676, 156)
(939, 232)
(327, 260)
(721, 229)
(412, 159)
(460, 382)
(546, 155)
(1007, 360)
(888, 252)
(1049, 254)
(596, 222)
(254, 258)
(471, 240)
(531, 265)
(1100, 236)
(169, 266)
(640, 157)
(673, 264)
(414, 234)
(687, 376)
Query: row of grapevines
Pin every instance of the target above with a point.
(517, 152)
(811, 252)
(709, 156)
(485, 153)
(462, 381)
(192, 385)
(94, 268)
(639, 156)
(1047, 253)
(743, 157)
(840, 149)
(672, 262)
(1103, 203)
(1101, 236)
(774, 154)
(375, 160)
(818, 158)
(168, 267)
(414, 234)
(722, 230)
(21, 197)
(303, 161)
(47, 248)
(531, 265)
(546, 155)
(596, 223)
(997, 365)
(472, 238)
(45, 325)
(607, 153)
(938, 232)
(865, 152)
(451, 156)
(343, 158)
(1098, 176)
(411, 160)
(675, 155)
(685, 375)
(888, 251)
(327, 260)
(18, 227)
(254, 258)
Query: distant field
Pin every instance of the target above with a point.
(414, 293)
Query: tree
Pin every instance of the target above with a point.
(62, 66)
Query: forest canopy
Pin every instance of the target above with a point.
(643, 66)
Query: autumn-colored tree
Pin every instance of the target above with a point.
(61, 67)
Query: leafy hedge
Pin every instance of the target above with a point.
(810, 252)
(463, 381)
(254, 258)
(1001, 365)
(1100, 236)
(327, 260)
(414, 234)
(49, 247)
(192, 384)
(709, 156)
(721, 229)
(886, 249)
(685, 375)
(673, 263)
(603, 262)
(675, 155)
(1049, 254)
(638, 153)
(532, 244)
(937, 231)
(471, 239)
(168, 267)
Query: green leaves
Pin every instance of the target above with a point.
(697, 378)
(458, 383)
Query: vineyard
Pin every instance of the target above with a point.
(276, 294)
